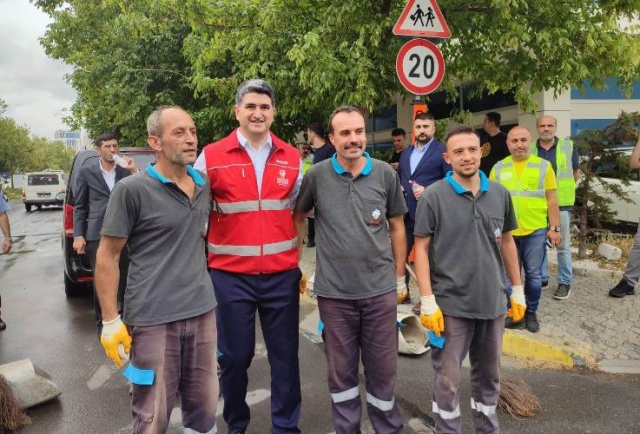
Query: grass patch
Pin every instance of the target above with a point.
(622, 241)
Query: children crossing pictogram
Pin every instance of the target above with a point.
(422, 18)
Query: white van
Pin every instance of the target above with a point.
(44, 188)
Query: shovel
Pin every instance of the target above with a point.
(30, 385)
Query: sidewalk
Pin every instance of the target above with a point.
(588, 329)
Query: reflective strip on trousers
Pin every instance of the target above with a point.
(253, 205)
(269, 249)
(487, 410)
(213, 430)
(347, 395)
(446, 415)
(379, 403)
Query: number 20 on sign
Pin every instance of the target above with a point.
(420, 66)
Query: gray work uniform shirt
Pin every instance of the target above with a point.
(354, 259)
(168, 278)
(467, 271)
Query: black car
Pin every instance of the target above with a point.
(78, 275)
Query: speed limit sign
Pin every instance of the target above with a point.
(420, 66)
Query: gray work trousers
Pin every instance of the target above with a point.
(366, 326)
(482, 339)
(632, 272)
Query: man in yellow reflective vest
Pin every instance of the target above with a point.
(564, 160)
(531, 182)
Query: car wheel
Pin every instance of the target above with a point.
(27, 206)
(72, 289)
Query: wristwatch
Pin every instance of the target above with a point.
(554, 228)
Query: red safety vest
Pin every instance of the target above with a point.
(251, 232)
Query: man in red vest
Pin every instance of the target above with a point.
(253, 256)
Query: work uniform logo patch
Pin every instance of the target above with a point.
(282, 178)
(375, 218)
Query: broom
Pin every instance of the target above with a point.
(12, 416)
(516, 398)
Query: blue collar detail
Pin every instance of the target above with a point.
(484, 183)
(340, 170)
(193, 173)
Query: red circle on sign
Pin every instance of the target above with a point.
(412, 79)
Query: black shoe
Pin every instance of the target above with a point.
(563, 291)
(3, 325)
(311, 243)
(622, 289)
(545, 283)
(509, 323)
(531, 321)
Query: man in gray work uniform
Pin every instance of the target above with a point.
(162, 215)
(360, 262)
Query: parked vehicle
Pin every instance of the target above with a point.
(44, 188)
(626, 212)
(78, 275)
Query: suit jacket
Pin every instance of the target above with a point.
(92, 196)
(430, 169)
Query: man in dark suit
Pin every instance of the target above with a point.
(93, 188)
(421, 164)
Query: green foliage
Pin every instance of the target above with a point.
(21, 152)
(130, 56)
(601, 149)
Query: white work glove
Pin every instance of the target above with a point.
(518, 303)
(115, 340)
(401, 289)
(430, 314)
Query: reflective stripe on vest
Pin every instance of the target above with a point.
(253, 205)
(269, 249)
(564, 175)
(530, 205)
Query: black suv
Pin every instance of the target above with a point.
(78, 275)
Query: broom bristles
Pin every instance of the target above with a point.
(12, 416)
(517, 399)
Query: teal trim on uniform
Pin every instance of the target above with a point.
(484, 183)
(340, 170)
(193, 173)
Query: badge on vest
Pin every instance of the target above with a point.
(282, 178)
(375, 218)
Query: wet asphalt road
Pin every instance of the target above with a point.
(58, 334)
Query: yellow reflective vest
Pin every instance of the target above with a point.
(564, 174)
(527, 192)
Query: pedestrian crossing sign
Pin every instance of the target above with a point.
(422, 18)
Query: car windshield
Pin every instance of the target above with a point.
(43, 180)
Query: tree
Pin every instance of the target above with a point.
(132, 55)
(601, 149)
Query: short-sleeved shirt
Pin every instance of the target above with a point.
(168, 278)
(494, 149)
(550, 156)
(4, 205)
(467, 271)
(354, 259)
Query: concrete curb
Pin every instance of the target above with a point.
(519, 345)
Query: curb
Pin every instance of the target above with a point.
(518, 345)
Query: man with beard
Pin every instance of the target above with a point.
(420, 166)
(564, 159)
(93, 188)
(322, 150)
(495, 148)
(463, 249)
(532, 185)
(253, 257)
(360, 263)
(161, 214)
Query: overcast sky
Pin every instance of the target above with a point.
(31, 84)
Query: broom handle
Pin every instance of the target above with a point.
(411, 272)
